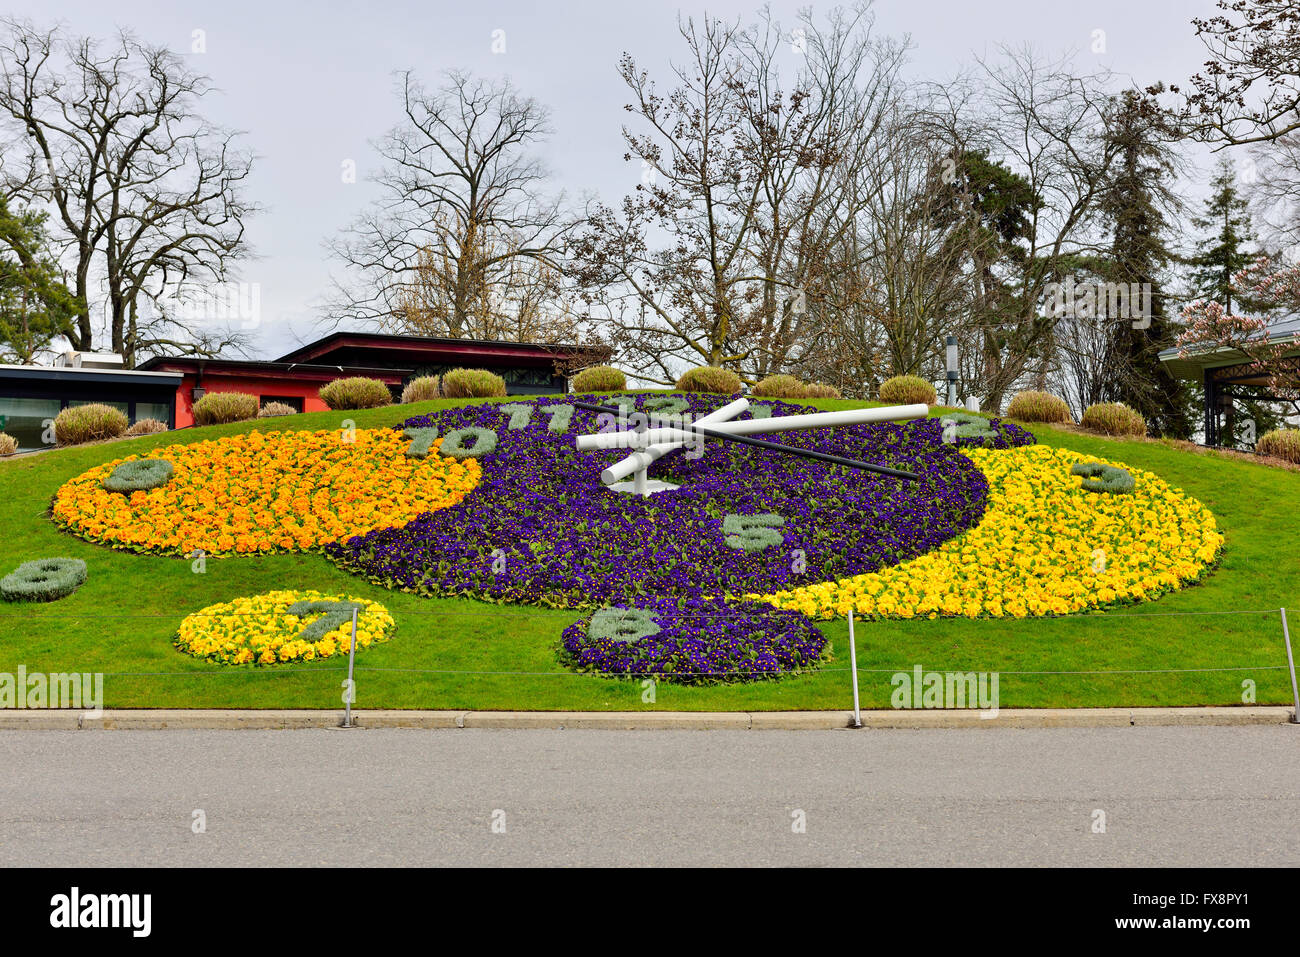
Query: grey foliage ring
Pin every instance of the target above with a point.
(46, 579)
(139, 476)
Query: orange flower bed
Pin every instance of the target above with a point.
(265, 492)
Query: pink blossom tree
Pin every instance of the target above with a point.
(1208, 325)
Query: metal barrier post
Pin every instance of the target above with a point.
(352, 687)
(1290, 660)
(853, 653)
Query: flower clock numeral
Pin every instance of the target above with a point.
(481, 442)
(521, 415)
(963, 425)
(1103, 478)
(622, 625)
(139, 476)
(421, 442)
(666, 405)
(561, 416)
(333, 614)
(753, 533)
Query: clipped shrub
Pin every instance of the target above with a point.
(779, 387)
(1038, 407)
(472, 384)
(820, 390)
(1113, 418)
(709, 379)
(88, 423)
(8, 444)
(46, 579)
(216, 408)
(907, 390)
(139, 476)
(147, 427)
(600, 379)
(420, 390)
(355, 393)
(1103, 478)
(1281, 444)
(273, 410)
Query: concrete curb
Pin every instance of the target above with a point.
(163, 719)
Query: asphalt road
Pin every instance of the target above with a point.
(1170, 796)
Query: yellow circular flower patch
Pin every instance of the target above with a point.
(282, 626)
(1044, 547)
(266, 492)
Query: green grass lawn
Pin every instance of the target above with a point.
(452, 653)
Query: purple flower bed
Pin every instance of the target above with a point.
(701, 641)
(542, 529)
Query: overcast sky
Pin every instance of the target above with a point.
(312, 85)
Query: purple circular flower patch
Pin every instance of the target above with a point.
(540, 527)
(694, 641)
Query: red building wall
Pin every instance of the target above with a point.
(254, 385)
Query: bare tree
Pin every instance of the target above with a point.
(812, 143)
(145, 193)
(684, 303)
(1249, 91)
(463, 242)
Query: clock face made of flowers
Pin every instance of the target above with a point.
(527, 502)
(550, 522)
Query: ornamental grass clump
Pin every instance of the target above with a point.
(46, 579)
(907, 390)
(1113, 418)
(273, 410)
(355, 393)
(420, 390)
(147, 427)
(779, 387)
(88, 423)
(8, 444)
(820, 390)
(600, 379)
(1038, 407)
(1281, 444)
(472, 384)
(709, 379)
(218, 408)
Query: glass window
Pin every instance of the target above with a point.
(30, 421)
(292, 401)
(153, 410)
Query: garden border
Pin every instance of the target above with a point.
(283, 720)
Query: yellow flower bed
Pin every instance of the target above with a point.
(1044, 547)
(266, 492)
(261, 630)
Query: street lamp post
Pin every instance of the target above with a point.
(951, 349)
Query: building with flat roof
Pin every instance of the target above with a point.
(166, 387)
(1227, 375)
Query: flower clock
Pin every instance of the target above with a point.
(700, 537)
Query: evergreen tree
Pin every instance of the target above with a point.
(35, 305)
(1136, 205)
(1230, 246)
(1227, 249)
